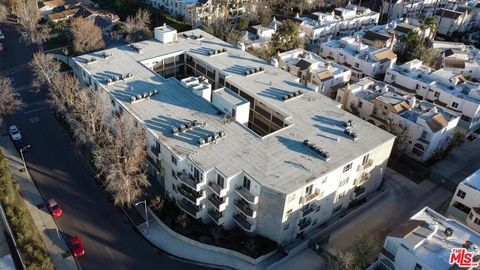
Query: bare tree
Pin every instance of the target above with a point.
(90, 117)
(119, 161)
(28, 15)
(137, 27)
(364, 250)
(45, 68)
(10, 100)
(86, 35)
(63, 93)
(3, 12)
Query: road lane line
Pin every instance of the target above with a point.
(34, 110)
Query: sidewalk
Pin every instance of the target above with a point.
(160, 236)
(46, 226)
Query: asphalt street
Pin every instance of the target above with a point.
(60, 172)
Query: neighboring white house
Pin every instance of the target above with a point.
(316, 73)
(321, 27)
(465, 204)
(428, 127)
(191, 11)
(259, 35)
(459, 58)
(425, 242)
(450, 21)
(262, 152)
(444, 88)
(364, 60)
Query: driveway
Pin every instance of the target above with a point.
(404, 199)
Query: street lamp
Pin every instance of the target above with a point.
(146, 212)
(21, 155)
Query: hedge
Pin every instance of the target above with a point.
(28, 239)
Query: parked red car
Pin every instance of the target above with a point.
(54, 208)
(76, 246)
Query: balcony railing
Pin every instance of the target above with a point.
(243, 223)
(304, 224)
(190, 181)
(189, 208)
(308, 211)
(215, 216)
(312, 195)
(245, 208)
(194, 197)
(219, 204)
(245, 194)
(365, 166)
(217, 189)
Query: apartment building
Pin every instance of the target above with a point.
(191, 11)
(428, 127)
(314, 72)
(321, 27)
(465, 204)
(362, 59)
(459, 58)
(450, 21)
(406, 8)
(393, 33)
(425, 242)
(235, 141)
(451, 91)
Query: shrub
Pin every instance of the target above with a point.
(28, 239)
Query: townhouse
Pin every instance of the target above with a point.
(459, 58)
(427, 127)
(258, 35)
(191, 11)
(426, 242)
(362, 59)
(316, 73)
(465, 204)
(451, 91)
(235, 141)
(321, 27)
(406, 8)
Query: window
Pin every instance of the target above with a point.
(393, 77)
(391, 247)
(246, 183)
(196, 173)
(357, 65)
(174, 160)
(220, 180)
(174, 188)
(366, 158)
(286, 227)
(340, 196)
(174, 174)
(477, 221)
(289, 211)
(336, 209)
(417, 86)
(343, 182)
(437, 94)
(308, 190)
(455, 105)
(360, 104)
(470, 216)
(291, 197)
(461, 194)
(417, 267)
(347, 167)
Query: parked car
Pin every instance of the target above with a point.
(54, 208)
(15, 133)
(76, 246)
(2, 36)
(24, 34)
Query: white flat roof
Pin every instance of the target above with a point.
(278, 160)
(436, 251)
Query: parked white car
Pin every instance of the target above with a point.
(15, 133)
(2, 36)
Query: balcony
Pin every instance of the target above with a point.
(216, 216)
(194, 197)
(304, 224)
(190, 181)
(308, 211)
(219, 204)
(245, 209)
(243, 223)
(217, 189)
(365, 166)
(245, 194)
(359, 190)
(155, 163)
(189, 208)
(312, 195)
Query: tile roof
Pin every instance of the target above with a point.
(437, 122)
(325, 75)
(386, 54)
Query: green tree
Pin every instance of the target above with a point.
(243, 23)
(431, 22)
(287, 37)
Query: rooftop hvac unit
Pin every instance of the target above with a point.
(133, 98)
(182, 128)
(222, 134)
(139, 96)
(448, 232)
(175, 131)
(351, 133)
(201, 141)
